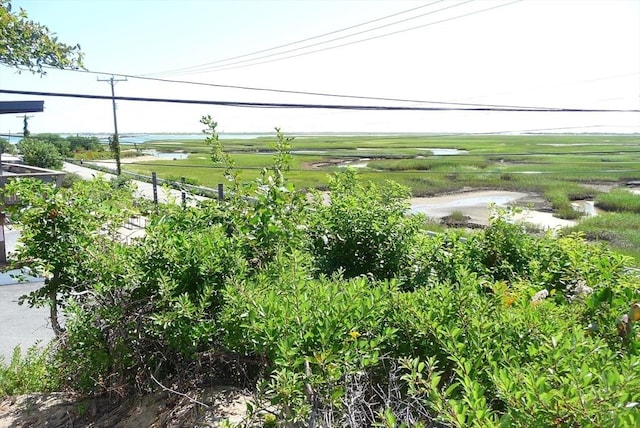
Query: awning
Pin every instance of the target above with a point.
(21, 107)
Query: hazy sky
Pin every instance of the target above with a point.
(549, 53)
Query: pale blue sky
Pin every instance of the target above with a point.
(552, 53)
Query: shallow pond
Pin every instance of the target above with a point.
(476, 205)
(587, 207)
(166, 155)
(362, 163)
(444, 152)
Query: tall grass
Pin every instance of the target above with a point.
(619, 200)
(619, 230)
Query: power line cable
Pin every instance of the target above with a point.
(367, 39)
(314, 106)
(293, 43)
(229, 65)
(320, 94)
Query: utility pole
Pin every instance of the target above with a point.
(115, 142)
(25, 126)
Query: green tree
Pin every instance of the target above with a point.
(61, 144)
(61, 228)
(41, 154)
(28, 45)
(6, 146)
(77, 142)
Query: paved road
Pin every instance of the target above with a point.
(20, 324)
(145, 190)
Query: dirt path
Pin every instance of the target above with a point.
(160, 409)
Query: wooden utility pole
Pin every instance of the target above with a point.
(25, 126)
(115, 143)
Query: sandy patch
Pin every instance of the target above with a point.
(145, 158)
(543, 220)
(159, 409)
(477, 205)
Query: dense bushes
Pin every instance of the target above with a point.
(345, 314)
(363, 229)
(41, 154)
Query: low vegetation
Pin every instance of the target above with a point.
(340, 314)
(619, 200)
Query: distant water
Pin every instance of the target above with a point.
(141, 138)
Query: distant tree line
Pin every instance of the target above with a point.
(48, 150)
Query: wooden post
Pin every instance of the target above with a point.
(3, 247)
(154, 183)
(220, 192)
(184, 192)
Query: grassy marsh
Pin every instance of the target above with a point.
(558, 168)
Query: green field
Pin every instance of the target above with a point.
(558, 168)
(533, 163)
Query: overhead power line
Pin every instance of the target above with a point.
(224, 68)
(313, 106)
(230, 65)
(173, 71)
(319, 94)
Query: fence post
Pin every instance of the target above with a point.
(3, 247)
(220, 192)
(184, 192)
(154, 183)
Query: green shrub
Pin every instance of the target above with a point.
(178, 180)
(70, 178)
(27, 373)
(364, 228)
(314, 334)
(183, 268)
(41, 154)
(484, 354)
(6, 146)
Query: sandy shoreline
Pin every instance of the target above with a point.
(477, 206)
